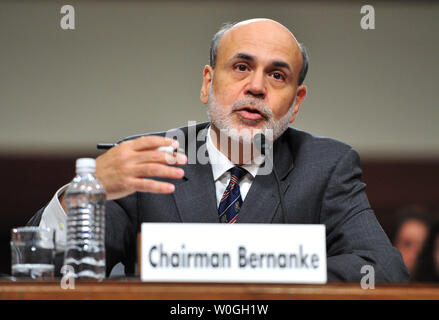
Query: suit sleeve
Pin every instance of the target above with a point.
(121, 229)
(353, 234)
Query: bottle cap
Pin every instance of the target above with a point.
(85, 165)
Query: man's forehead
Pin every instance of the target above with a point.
(267, 36)
(262, 23)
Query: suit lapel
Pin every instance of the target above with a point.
(262, 200)
(195, 195)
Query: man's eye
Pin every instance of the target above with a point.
(241, 67)
(278, 76)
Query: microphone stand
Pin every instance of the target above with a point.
(260, 137)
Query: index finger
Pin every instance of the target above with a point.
(153, 142)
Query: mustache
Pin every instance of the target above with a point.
(256, 104)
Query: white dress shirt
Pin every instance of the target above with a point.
(55, 217)
(221, 176)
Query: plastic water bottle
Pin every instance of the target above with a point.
(85, 202)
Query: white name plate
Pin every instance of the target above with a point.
(200, 252)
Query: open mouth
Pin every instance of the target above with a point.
(250, 113)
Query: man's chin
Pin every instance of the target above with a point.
(242, 130)
(243, 134)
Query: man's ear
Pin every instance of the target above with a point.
(300, 96)
(207, 82)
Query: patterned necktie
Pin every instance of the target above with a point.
(231, 201)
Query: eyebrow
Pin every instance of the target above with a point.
(281, 64)
(244, 56)
(249, 57)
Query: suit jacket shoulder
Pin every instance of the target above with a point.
(306, 146)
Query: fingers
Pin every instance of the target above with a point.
(123, 168)
(151, 142)
(161, 157)
(157, 170)
(148, 185)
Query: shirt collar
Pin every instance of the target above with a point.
(220, 163)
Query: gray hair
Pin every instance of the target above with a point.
(227, 26)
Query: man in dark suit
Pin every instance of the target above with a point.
(254, 84)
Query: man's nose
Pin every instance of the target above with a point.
(256, 86)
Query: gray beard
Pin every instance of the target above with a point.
(224, 123)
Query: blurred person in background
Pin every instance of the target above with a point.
(410, 233)
(427, 266)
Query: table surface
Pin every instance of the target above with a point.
(133, 289)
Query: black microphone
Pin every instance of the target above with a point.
(259, 143)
